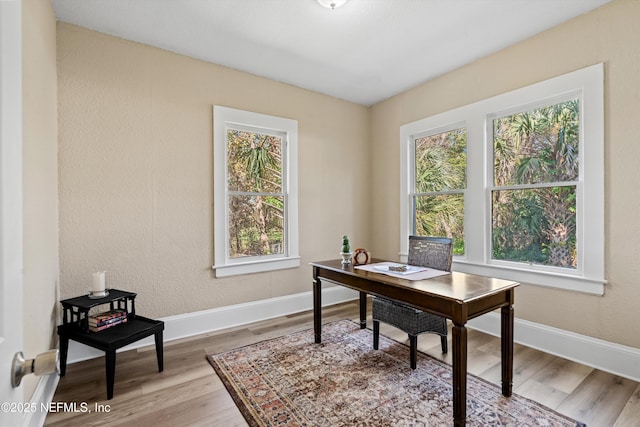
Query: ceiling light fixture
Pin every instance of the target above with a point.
(332, 4)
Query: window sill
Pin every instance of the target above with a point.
(256, 266)
(566, 282)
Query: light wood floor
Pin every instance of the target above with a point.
(189, 393)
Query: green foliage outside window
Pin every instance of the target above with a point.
(535, 170)
(256, 199)
(440, 179)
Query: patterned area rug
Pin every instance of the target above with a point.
(290, 381)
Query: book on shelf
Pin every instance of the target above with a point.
(107, 317)
(108, 314)
(95, 328)
(108, 322)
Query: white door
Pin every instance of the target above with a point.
(11, 414)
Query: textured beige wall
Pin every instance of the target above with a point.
(40, 180)
(135, 171)
(610, 34)
(135, 167)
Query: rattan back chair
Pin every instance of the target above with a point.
(432, 252)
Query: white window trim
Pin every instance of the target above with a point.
(589, 277)
(223, 265)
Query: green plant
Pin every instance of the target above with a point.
(346, 248)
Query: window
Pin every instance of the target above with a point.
(533, 194)
(255, 184)
(439, 179)
(535, 177)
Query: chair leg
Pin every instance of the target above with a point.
(376, 334)
(443, 342)
(413, 349)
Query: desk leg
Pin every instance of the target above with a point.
(363, 310)
(317, 308)
(459, 338)
(507, 349)
(64, 351)
(110, 363)
(159, 351)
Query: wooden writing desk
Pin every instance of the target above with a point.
(456, 296)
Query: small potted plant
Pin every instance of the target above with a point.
(346, 250)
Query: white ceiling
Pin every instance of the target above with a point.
(364, 51)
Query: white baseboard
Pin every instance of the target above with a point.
(200, 322)
(42, 396)
(607, 356)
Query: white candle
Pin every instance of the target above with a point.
(98, 282)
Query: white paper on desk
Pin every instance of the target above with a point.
(420, 273)
(410, 269)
